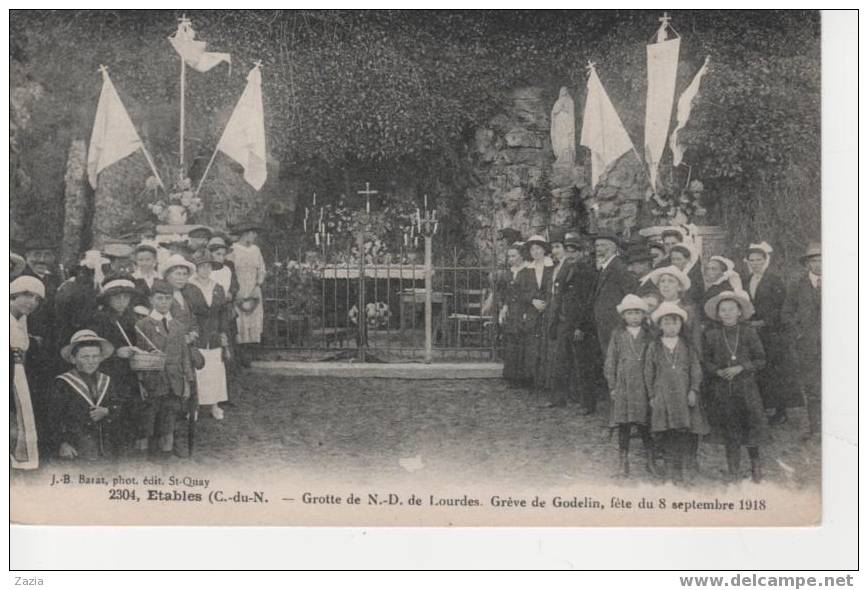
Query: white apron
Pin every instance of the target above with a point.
(211, 379)
(24, 453)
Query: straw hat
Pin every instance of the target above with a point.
(27, 284)
(115, 286)
(674, 271)
(86, 337)
(176, 260)
(740, 297)
(539, 241)
(668, 308)
(631, 301)
(813, 249)
(117, 250)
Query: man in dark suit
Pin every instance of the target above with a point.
(613, 282)
(802, 316)
(43, 360)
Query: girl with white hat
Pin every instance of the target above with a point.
(733, 355)
(673, 377)
(25, 295)
(624, 371)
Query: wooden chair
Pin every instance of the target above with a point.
(471, 320)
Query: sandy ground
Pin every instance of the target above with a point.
(470, 430)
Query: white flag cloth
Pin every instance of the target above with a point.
(602, 130)
(193, 52)
(662, 71)
(114, 137)
(243, 139)
(682, 113)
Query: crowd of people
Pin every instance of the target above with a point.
(142, 338)
(145, 337)
(682, 357)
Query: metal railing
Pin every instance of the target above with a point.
(346, 308)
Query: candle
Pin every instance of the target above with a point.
(305, 224)
(314, 199)
(406, 240)
(320, 214)
(316, 238)
(329, 239)
(416, 241)
(306, 213)
(435, 227)
(426, 202)
(368, 206)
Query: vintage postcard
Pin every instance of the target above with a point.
(401, 268)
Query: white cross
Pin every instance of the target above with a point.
(368, 192)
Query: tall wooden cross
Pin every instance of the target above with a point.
(368, 192)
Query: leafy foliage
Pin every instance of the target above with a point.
(396, 94)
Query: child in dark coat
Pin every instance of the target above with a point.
(732, 356)
(673, 376)
(625, 375)
(165, 390)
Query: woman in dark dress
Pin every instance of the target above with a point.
(513, 318)
(536, 285)
(208, 304)
(768, 292)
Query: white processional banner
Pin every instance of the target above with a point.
(682, 113)
(602, 130)
(662, 72)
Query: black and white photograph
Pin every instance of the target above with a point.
(416, 267)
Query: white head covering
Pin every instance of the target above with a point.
(654, 276)
(93, 259)
(27, 284)
(631, 301)
(729, 273)
(766, 249)
(668, 308)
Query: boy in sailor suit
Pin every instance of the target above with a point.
(87, 407)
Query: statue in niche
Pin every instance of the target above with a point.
(564, 129)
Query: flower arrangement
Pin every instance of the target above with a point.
(335, 227)
(376, 315)
(180, 204)
(682, 205)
